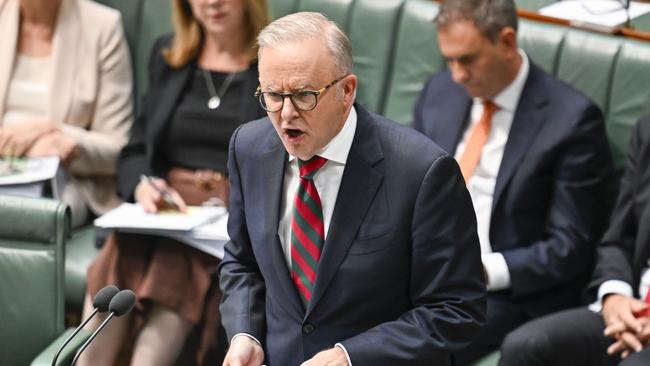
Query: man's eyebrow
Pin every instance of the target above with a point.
(302, 87)
(461, 58)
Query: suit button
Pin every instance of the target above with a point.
(308, 328)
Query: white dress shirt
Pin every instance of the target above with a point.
(327, 180)
(482, 183)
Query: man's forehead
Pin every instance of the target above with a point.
(295, 64)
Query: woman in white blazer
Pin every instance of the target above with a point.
(66, 90)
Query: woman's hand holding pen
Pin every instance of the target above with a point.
(154, 194)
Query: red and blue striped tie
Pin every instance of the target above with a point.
(307, 229)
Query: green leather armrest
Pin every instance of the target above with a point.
(66, 356)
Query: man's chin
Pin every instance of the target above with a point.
(300, 152)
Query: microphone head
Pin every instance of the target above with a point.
(122, 303)
(104, 297)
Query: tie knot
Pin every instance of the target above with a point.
(489, 107)
(309, 167)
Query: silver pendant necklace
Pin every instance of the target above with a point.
(215, 98)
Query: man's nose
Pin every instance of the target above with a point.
(288, 111)
(459, 73)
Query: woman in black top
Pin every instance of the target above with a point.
(201, 85)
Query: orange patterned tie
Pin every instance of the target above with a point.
(477, 139)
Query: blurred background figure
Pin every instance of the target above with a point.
(66, 90)
(201, 86)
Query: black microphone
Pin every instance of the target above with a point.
(100, 303)
(121, 304)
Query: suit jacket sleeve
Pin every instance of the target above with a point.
(577, 212)
(447, 290)
(243, 302)
(614, 258)
(99, 145)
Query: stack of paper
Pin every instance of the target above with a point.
(31, 177)
(204, 228)
(600, 15)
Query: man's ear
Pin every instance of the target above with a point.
(349, 85)
(508, 38)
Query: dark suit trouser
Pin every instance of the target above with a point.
(571, 337)
(502, 317)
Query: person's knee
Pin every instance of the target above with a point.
(641, 358)
(524, 346)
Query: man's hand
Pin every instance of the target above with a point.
(244, 351)
(621, 315)
(331, 357)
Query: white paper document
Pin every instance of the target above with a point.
(607, 14)
(28, 176)
(204, 228)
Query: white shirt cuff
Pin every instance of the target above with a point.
(610, 287)
(345, 351)
(245, 335)
(497, 271)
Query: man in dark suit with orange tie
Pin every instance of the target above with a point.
(353, 239)
(535, 157)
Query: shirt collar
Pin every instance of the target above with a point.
(508, 98)
(338, 148)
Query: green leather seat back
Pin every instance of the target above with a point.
(542, 43)
(587, 62)
(131, 11)
(32, 238)
(533, 4)
(336, 10)
(155, 21)
(416, 58)
(373, 29)
(280, 8)
(630, 94)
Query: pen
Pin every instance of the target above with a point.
(166, 196)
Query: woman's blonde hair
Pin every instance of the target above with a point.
(188, 34)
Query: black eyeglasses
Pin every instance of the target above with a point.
(304, 100)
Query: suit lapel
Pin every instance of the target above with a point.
(65, 55)
(9, 18)
(452, 123)
(275, 161)
(359, 186)
(527, 121)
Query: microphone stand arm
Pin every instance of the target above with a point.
(92, 336)
(56, 356)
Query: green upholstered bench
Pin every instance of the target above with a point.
(80, 251)
(32, 248)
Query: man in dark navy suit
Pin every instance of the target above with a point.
(535, 157)
(353, 239)
(617, 324)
